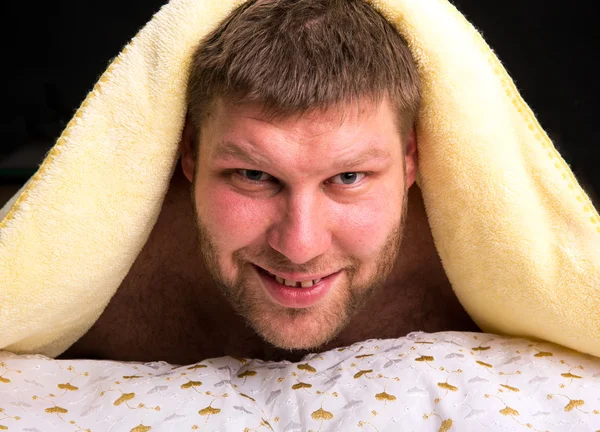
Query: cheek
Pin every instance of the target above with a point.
(364, 228)
(233, 220)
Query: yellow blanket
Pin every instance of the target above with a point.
(518, 237)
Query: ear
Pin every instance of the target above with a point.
(411, 158)
(186, 147)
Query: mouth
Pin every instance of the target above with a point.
(307, 283)
(296, 290)
(303, 282)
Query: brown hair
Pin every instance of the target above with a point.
(295, 55)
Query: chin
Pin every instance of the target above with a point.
(299, 329)
(295, 340)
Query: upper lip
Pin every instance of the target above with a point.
(298, 277)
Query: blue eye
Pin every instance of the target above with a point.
(254, 175)
(348, 178)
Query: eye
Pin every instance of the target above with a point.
(254, 175)
(348, 178)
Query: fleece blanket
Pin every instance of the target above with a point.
(424, 382)
(518, 237)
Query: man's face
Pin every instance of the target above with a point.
(299, 219)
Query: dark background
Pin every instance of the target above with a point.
(53, 53)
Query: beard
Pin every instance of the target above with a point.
(298, 328)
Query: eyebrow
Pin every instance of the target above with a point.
(365, 156)
(228, 149)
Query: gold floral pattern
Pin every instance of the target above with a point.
(441, 382)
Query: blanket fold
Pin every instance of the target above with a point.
(518, 237)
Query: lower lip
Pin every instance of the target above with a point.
(297, 298)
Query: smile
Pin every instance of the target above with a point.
(293, 283)
(297, 290)
(300, 282)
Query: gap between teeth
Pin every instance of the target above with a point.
(295, 284)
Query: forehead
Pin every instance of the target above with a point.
(317, 140)
(365, 115)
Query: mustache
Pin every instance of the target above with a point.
(270, 259)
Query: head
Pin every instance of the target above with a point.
(300, 147)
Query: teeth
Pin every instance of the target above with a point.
(296, 284)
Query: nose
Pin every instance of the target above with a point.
(301, 232)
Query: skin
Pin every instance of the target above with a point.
(183, 303)
(321, 194)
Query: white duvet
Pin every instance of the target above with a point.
(423, 382)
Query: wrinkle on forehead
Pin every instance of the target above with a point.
(356, 132)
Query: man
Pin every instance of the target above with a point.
(294, 224)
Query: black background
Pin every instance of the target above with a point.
(53, 53)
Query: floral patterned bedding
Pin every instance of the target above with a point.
(423, 382)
